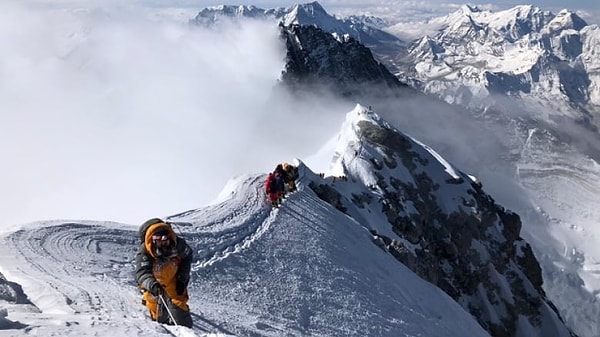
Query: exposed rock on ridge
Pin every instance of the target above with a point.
(441, 224)
(315, 58)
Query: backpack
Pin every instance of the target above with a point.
(270, 184)
(281, 173)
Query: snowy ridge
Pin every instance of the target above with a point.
(338, 258)
(313, 225)
(302, 269)
(449, 168)
(240, 229)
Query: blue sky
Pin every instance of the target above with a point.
(589, 10)
(580, 4)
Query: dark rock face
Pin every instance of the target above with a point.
(325, 192)
(460, 252)
(317, 59)
(472, 250)
(12, 292)
(366, 29)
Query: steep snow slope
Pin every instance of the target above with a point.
(563, 186)
(302, 269)
(315, 269)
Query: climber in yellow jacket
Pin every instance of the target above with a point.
(163, 264)
(291, 173)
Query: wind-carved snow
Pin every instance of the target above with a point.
(75, 274)
(239, 229)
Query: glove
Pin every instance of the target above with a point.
(180, 287)
(156, 289)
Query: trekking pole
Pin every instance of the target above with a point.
(162, 299)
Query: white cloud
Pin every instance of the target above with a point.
(106, 113)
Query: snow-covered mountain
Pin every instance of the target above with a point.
(477, 58)
(532, 76)
(318, 59)
(476, 55)
(367, 30)
(439, 222)
(326, 263)
(522, 52)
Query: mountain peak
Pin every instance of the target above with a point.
(467, 9)
(310, 14)
(566, 19)
(426, 212)
(513, 22)
(311, 8)
(364, 133)
(523, 10)
(212, 15)
(522, 51)
(359, 74)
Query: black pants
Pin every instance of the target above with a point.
(182, 317)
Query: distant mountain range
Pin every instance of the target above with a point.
(522, 52)
(477, 58)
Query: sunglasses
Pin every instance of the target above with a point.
(160, 237)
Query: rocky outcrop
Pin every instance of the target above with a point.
(317, 59)
(444, 227)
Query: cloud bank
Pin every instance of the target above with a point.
(110, 114)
